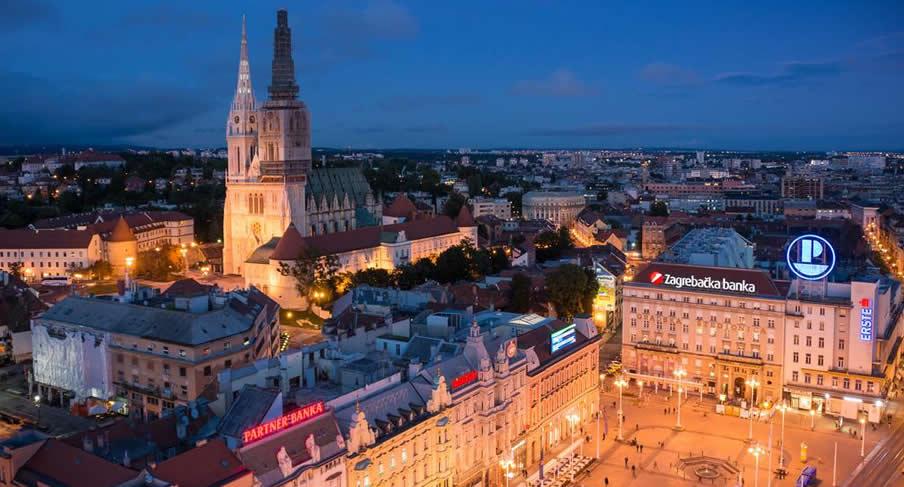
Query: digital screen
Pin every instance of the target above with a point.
(562, 337)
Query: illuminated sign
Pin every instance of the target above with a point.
(562, 337)
(285, 421)
(707, 282)
(810, 257)
(866, 320)
(464, 379)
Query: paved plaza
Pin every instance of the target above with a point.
(716, 436)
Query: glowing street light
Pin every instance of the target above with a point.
(862, 436)
(620, 383)
(781, 458)
(756, 451)
(679, 374)
(753, 385)
(640, 388)
(812, 420)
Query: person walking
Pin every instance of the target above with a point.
(633, 472)
(626, 462)
(641, 448)
(606, 481)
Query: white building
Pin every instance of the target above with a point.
(559, 207)
(714, 246)
(48, 252)
(498, 207)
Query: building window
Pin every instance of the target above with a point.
(840, 362)
(869, 387)
(794, 376)
(835, 382)
(807, 359)
(795, 357)
(809, 341)
(819, 380)
(841, 344)
(821, 343)
(819, 360)
(797, 339)
(806, 378)
(858, 385)
(847, 383)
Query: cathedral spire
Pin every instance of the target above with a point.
(244, 95)
(283, 86)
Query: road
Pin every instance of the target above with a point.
(883, 467)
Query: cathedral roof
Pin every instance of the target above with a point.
(289, 246)
(401, 207)
(338, 181)
(464, 218)
(121, 232)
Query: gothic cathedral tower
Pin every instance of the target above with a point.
(269, 156)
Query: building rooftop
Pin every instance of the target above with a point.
(659, 275)
(208, 465)
(56, 463)
(248, 409)
(237, 316)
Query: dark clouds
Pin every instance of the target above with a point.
(91, 110)
(789, 73)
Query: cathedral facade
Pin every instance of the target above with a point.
(270, 182)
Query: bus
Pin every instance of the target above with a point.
(56, 281)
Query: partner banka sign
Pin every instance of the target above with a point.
(810, 257)
(707, 282)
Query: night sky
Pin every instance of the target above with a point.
(736, 75)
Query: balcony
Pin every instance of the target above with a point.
(737, 358)
(659, 347)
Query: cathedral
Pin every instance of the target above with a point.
(277, 205)
(270, 182)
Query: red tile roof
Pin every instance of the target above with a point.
(205, 466)
(289, 246)
(401, 207)
(464, 218)
(187, 287)
(45, 239)
(369, 237)
(56, 463)
(121, 232)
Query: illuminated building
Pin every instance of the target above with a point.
(562, 385)
(723, 326)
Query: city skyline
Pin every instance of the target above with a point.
(499, 77)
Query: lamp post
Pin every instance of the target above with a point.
(640, 388)
(620, 383)
(756, 450)
(862, 436)
(781, 445)
(753, 385)
(812, 420)
(507, 465)
(679, 374)
(37, 399)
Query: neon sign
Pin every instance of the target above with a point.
(283, 422)
(562, 337)
(464, 379)
(866, 320)
(810, 257)
(707, 282)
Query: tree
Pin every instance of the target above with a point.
(372, 277)
(15, 268)
(565, 240)
(410, 275)
(453, 205)
(659, 208)
(591, 288)
(101, 269)
(452, 265)
(159, 265)
(315, 274)
(521, 294)
(567, 286)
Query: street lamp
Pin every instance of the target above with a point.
(753, 385)
(812, 420)
(507, 465)
(781, 451)
(862, 436)
(640, 388)
(620, 382)
(679, 374)
(37, 399)
(756, 450)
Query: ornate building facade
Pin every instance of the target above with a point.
(270, 182)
